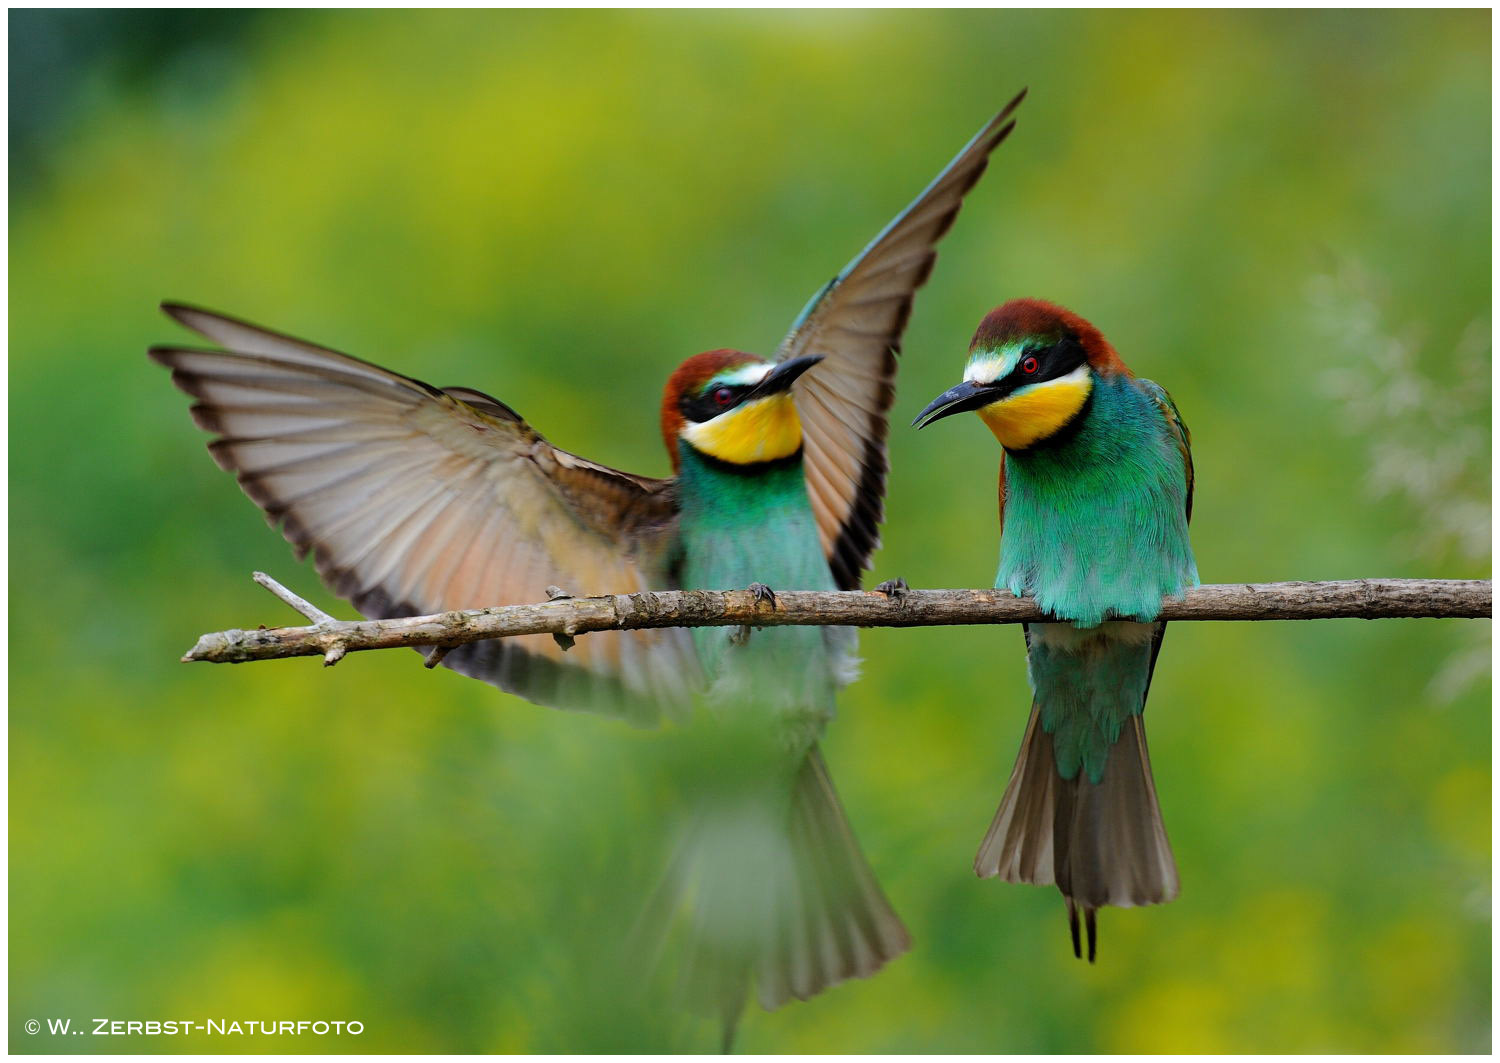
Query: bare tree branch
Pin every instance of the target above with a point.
(567, 618)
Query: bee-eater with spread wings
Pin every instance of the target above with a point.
(1096, 488)
(414, 500)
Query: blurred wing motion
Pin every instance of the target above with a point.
(417, 500)
(856, 322)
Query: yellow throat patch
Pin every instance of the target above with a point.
(1034, 413)
(760, 430)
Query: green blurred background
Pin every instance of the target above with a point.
(1282, 217)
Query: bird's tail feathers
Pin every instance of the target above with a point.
(1019, 844)
(773, 892)
(834, 922)
(1099, 843)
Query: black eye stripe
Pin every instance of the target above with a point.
(704, 407)
(1053, 361)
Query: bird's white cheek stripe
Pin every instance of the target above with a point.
(989, 366)
(753, 373)
(1037, 411)
(760, 430)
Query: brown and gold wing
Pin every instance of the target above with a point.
(414, 500)
(855, 323)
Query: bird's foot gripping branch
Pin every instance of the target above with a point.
(1364, 599)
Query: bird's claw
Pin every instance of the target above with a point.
(759, 593)
(556, 594)
(893, 588)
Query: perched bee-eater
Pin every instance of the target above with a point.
(414, 499)
(1096, 488)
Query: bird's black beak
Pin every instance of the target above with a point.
(781, 378)
(961, 399)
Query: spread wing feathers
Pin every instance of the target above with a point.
(416, 500)
(856, 322)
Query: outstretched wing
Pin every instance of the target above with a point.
(414, 500)
(856, 322)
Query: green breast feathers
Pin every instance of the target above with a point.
(1095, 524)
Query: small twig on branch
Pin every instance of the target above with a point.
(1371, 599)
(334, 650)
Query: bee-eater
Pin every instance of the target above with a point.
(414, 499)
(1096, 488)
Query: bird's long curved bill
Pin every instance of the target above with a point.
(781, 378)
(961, 399)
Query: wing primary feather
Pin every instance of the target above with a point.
(421, 500)
(855, 322)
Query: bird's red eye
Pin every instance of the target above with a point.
(723, 396)
(1029, 366)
